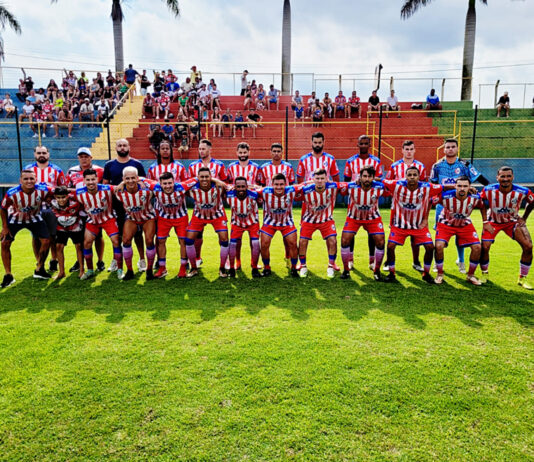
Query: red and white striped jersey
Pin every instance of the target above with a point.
(356, 163)
(457, 212)
(278, 210)
(137, 205)
(397, 171)
(23, 208)
(176, 168)
(504, 207)
(309, 163)
(250, 172)
(97, 206)
(363, 205)
(208, 204)
(173, 205)
(318, 206)
(217, 168)
(75, 175)
(52, 175)
(410, 207)
(244, 211)
(68, 217)
(268, 170)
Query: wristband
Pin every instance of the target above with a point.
(484, 222)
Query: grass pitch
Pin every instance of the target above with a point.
(274, 369)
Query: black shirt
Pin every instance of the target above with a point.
(374, 100)
(113, 170)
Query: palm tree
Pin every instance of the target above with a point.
(286, 48)
(7, 19)
(117, 16)
(411, 6)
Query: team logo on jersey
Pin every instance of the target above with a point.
(458, 216)
(457, 170)
(409, 205)
(514, 201)
(470, 206)
(380, 226)
(333, 227)
(97, 210)
(320, 208)
(206, 206)
(420, 195)
(475, 235)
(135, 209)
(428, 235)
(364, 207)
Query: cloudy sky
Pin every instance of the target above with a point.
(329, 38)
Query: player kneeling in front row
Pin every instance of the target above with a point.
(363, 212)
(503, 201)
(454, 220)
(409, 217)
(244, 206)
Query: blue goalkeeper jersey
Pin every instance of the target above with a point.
(444, 173)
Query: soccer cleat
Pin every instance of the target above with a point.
(435, 269)
(192, 273)
(336, 268)
(199, 262)
(222, 272)
(473, 280)
(141, 265)
(427, 278)
(161, 272)
(330, 272)
(345, 274)
(41, 274)
(149, 274)
(231, 273)
(87, 275)
(52, 267)
(8, 280)
(74, 268)
(256, 273)
(100, 266)
(303, 272)
(484, 278)
(182, 273)
(113, 266)
(390, 278)
(120, 274)
(461, 266)
(294, 273)
(266, 272)
(417, 267)
(351, 264)
(377, 276)
(385, 268)
(522, 281)
(439, 279)
(128, 276)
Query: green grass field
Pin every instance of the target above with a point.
(270, 369)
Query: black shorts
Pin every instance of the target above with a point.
(50, 221)
(38, 230)
(62, 237)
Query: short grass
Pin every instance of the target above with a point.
(274, 369)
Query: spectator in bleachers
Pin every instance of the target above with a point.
(8, 106)
(172, 87)
(31, 97)
(52, 89)
(432, 101)
(48, 109)
(59, 102)
(253, 88)
(144, 83)
(327, 105)
(183, 104)
(227, 117)
(215, 97)
(204, 95)
(211, 84)
(273, 97)
(247, 103)
(130, 76)
(168, 131)
(21, 94)
(110, 79)
(374, 103)
(296, 99)
(238, 125)
(102, 108)
(195, 74)
(28, 82)
(204, 112)
(170, 77)
(310, 103)
(163, 104)
(71, 79)
(100, 80)
(87, 111)
(27, 111)
(158, 85)
(181, 130)
(155, 137)
(393, 104)
(109, 96)
(82, 82)
(187, 86)
(244, 82)
(216, 117)
(194, 128)
(64, 120)
(340, 103)
(261, 98)
(94, 89)
(503, 103)
(39, 123)
(353, 105)
(317, 113)
(254, 120)
(298, 113)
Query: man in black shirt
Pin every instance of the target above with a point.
(504, 103)
(374, 103)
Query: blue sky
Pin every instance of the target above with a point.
(336, 37)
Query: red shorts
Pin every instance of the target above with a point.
(166, 224)
(285, 230)
(371, 226)
(508, 228)
(327, 229)
(109, 226)
(238, 231)
(465, 235)
(399, 235)
(197, 224)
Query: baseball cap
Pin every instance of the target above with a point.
(86, 151)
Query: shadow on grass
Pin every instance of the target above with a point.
(410, 299)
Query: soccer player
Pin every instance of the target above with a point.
(363, 212)
(171, 213)
(165, 163)
(21, 208)
(409, 217)
(97, 200)
(351, 173)
(276, 165)
(278, 216)
(209, 210)
(445, 172)
(217, 170)
(244, 206)
(454, 220)
(249, 170)
(318, 202)
(503, 201)
(52, 175)
(136, 200)
(69, 226)
(315, 159)
(75, 178)
(397, 171)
